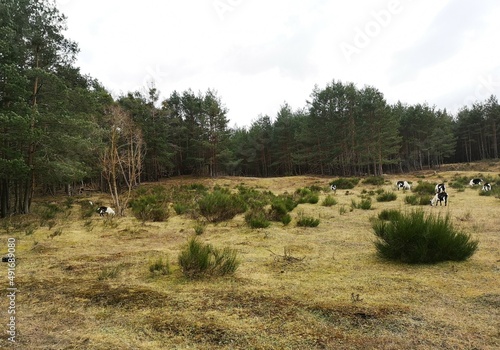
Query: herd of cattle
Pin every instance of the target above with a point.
(441, 195)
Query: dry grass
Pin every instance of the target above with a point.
(89, 286)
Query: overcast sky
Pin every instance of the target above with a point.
(258, 54)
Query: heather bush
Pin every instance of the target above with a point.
(417, 238)
(374, 180)
(257, 218)
(199, 260)
(386, 197)
(345, 183)
(221, 205)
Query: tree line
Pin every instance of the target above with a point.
(62, 129)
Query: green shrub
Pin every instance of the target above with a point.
(342, 209)
(253, 197)
(374, 180)
(425, 188)
(424, 199)
(415, 238)
(307, 221)
(280, 206)
(345, 183)
(180, 208)
(286, 219)
(221, 205)
(389, 215)
(109, 272)
(329, 201)
(412, 199)
(459, 181)
(386, 197)
(457, 186)
(199, 228)
(68, 202)
(87, 210)
(306, 195)
(48, 211)
(159, 267)
(364, 204)
(256, 218)
(199, 260)
(150, 207)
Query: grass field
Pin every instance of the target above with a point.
(86, 284)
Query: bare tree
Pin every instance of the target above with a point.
(122, 158)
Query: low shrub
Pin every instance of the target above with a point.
(280, 206)
(345, 183)
(159, 267)
(386, 197)
(414, 199)
(257, 218)
(253, 197)
(425, 199)
(221, 205)
(419, 239)
(425, 188)
(459, 181)
(199, 228)
(180, 208)
(342, 209)
(87, 209)
(307, 195)
(199, 260)
(307, 221)
(389, 215)
(365, 204)
(329, 201)
(286, 219)
(150, 207)
(374, 180)
(109, 272)
(49, 211)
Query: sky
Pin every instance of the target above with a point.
(258, 55)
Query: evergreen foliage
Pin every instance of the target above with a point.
(199, 260)
(257, 218)
(374, 180)
(386, 197)
(419, 239)
(55, 123)
(221, 205)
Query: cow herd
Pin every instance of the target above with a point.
(440, 189)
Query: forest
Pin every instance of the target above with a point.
(61, 129)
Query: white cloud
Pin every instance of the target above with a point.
(258, 54)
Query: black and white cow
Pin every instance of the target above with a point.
(475, 182)
(403, 184)
(440, 197)
(105, 210)
(487, 187)
(440, 188)
(334, 188)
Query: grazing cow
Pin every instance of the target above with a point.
(440, 188)
(487, 187)
(403, 184)
(334, 188)
(475, 182)
(440, 197)
(105, 210)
